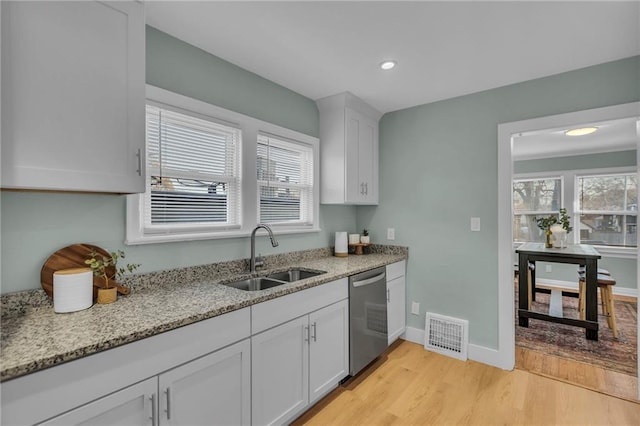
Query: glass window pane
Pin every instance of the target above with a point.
(526, 229)
(632, 192)
(608, 229)
(542, 195)
(605, 193)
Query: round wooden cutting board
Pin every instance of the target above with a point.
(73, 257)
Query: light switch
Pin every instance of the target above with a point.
(415, 308)
(391, 234)
(475, 224)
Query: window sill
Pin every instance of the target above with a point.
(168, 238)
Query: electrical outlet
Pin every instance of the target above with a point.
(548, 268)
(415, 308)
(391, 234)
(475, 224)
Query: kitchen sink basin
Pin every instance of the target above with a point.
(292, 275)
(255, 284)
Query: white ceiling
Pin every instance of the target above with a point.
(443, 49)
(614, 135)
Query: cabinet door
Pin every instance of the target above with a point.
(396, 308)
(73, 93)
(212, 390)
(361, 146)
(131, 406)
(280, 372)
(329, 348)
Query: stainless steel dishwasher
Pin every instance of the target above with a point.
(367, 318)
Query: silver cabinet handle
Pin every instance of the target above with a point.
(167, 391)
(139, 169)
(366, 188)
(306, 333)
(361, 188)
(154, 410)
(388, 296)
(314, 332)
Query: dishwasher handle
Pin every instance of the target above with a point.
(369, 280)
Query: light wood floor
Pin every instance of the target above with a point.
(578, 373)
(412, 386)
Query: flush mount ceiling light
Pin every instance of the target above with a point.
(581, 131)
(387, 65)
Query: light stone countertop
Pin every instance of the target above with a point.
(34, 337)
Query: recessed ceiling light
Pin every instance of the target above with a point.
(387, 65)
(581, 131)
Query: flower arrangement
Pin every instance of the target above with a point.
(545, 223)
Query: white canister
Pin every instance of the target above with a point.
(354, 238)
(341, 247)
(72, 290)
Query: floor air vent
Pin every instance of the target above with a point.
(446, 335)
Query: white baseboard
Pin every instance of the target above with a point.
(477, 353)
(572, 285)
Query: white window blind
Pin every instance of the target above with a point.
(193, 173)
(285, 181)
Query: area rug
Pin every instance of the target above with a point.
(570, 342)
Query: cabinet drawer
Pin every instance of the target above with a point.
(277, 311)
(395, 270)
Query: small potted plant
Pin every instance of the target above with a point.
(106, 267)
(364, 238)
(546, 224)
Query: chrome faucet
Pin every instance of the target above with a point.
(274, 243)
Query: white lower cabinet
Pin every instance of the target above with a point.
(396, 301)
(132, 406)
(212, 390)
(296, 363)
(280, 372)
(329, 349)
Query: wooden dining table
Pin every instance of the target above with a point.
(578, 254)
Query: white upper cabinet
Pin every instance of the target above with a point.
(73, 93)
(348, 150)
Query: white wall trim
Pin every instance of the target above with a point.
(506, 324)
(477, 353)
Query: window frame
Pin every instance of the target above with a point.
(618, 251)
(570, 202)
(539, 176)
(250, 128)
(306, 189)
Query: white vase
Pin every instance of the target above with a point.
(341, 247)
(559, 236)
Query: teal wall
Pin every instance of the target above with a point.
(34, 225)
(623, 270)
(438, 168)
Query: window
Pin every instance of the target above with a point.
(531, 198)
(192, 173)
(608, 209)
(213, 173)
(285, 181)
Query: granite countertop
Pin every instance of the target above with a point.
(34, 337)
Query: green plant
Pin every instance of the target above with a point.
(100, 263)
(545, 223)
(365, 232)
(564, 220)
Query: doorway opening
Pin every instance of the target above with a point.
(533, 154)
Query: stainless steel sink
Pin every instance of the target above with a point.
(255, 284)
(295, 274)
